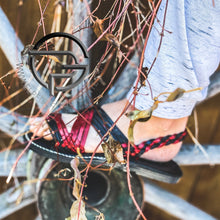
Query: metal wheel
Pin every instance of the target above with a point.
(32, 166)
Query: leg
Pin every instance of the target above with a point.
(176, 65)
(143, 131)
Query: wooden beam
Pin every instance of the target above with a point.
(214, 87)
(12, 124)
(9, 197)
(7, 160)
(191, 155)
(172, 204)
(79, 15)
(12, 47)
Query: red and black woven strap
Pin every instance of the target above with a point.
(137, 150)
(102, 123)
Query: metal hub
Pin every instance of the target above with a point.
(106, 191)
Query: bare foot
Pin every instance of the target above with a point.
(143, 131)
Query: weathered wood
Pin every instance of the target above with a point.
(79, 15)
(7, 159)
(172, 204)
(12, 47)
(12, 124)
(9, 197)
(191, 155)
(38, 218)
(214, 87)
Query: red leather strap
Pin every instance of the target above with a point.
(80, 129)
(79, 132)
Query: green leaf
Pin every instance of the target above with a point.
(175, 95)
(132, 115)
(138, 115)
(144, 115)
(131, 131)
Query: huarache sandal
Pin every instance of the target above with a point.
(64, 146)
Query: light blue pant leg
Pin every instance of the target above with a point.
(189, 54)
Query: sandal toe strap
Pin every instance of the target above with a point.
(77, 137)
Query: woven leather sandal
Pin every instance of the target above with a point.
(64, 146)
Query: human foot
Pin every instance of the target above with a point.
(143, 131)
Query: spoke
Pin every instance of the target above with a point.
(172, 204)
(191, 155)
(7, 159)
(8, 200)
(214, 87)
(12, 47)
(12, 124)
(79, 15)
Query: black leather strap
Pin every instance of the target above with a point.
(102, 122)
(54, 129)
